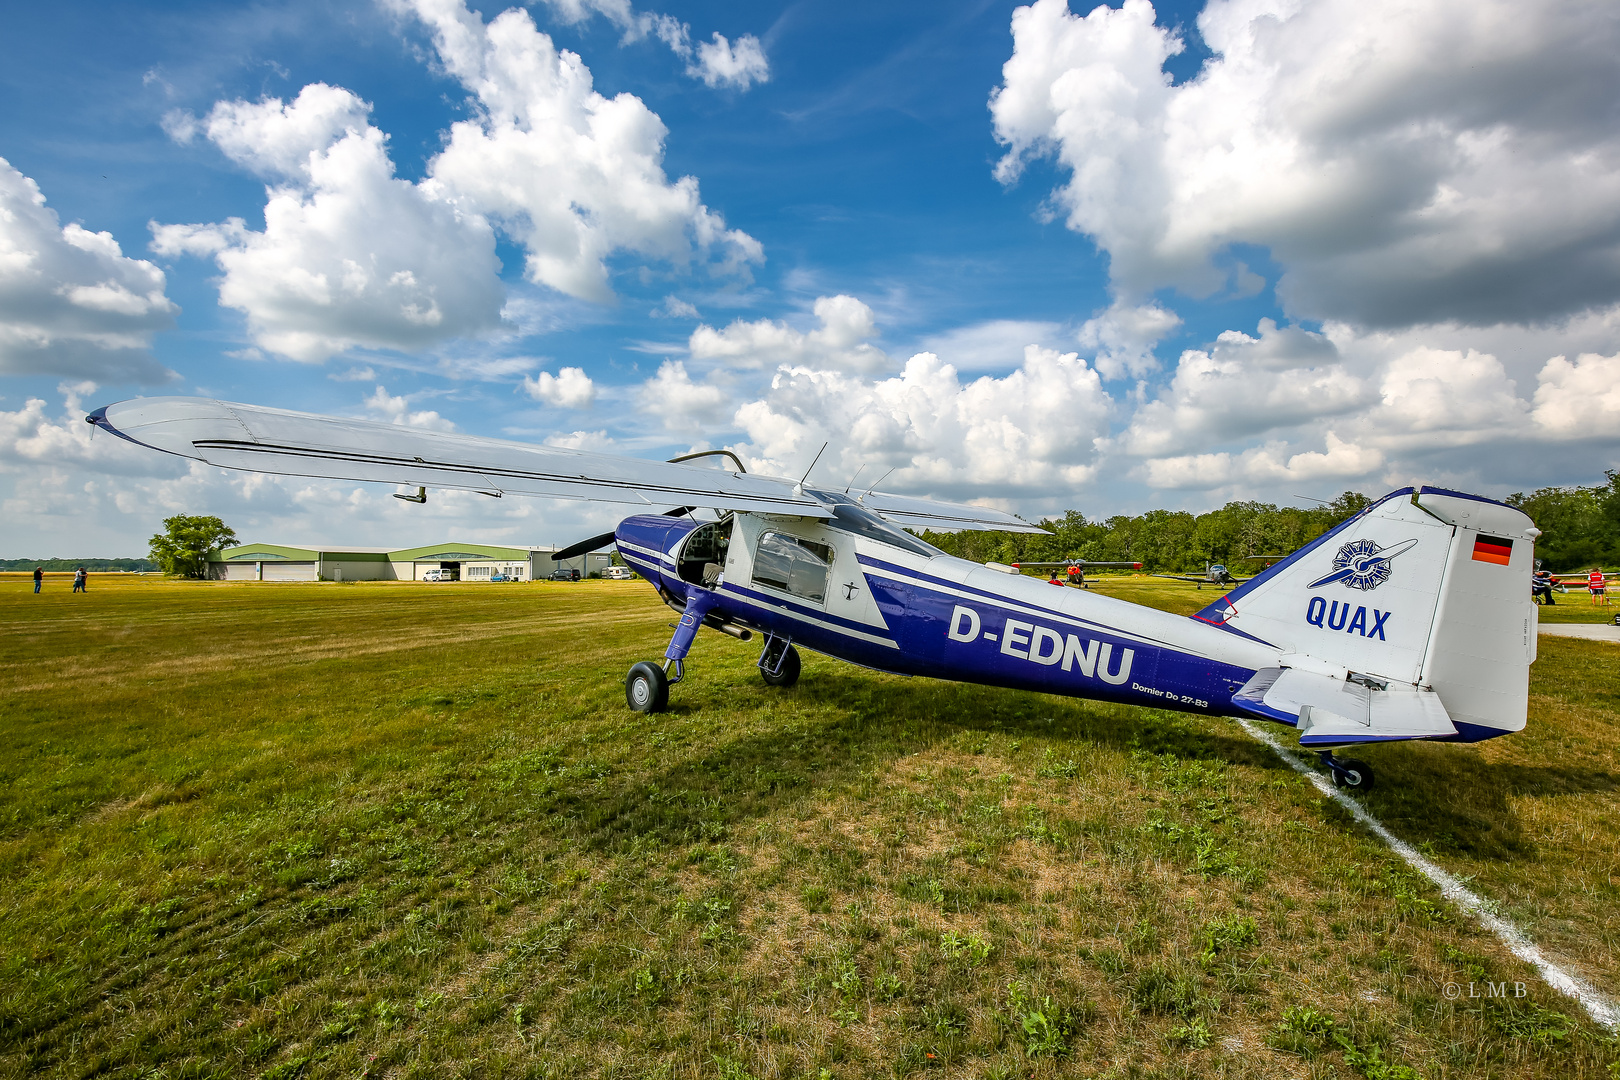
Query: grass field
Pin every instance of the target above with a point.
(412, 830)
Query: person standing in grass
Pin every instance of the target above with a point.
(39, 578)
(79, 580)
(1597, 587)
(1541, 586)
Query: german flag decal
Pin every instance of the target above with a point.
(1493, 549)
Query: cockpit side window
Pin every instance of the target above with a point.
(795, 566)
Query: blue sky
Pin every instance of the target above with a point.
(1324, 246)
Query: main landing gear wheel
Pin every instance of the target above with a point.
(787, 670)
(646, 688)
(1353, 775)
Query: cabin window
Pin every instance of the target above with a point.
(798, 567)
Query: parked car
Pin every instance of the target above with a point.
(619, 573)
(564, 574)
(439, 575)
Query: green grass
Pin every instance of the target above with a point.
(405, 830)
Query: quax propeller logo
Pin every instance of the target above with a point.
(1362, 564)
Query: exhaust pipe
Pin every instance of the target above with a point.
(739, 632)
(713, 622)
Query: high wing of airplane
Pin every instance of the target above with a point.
(1407, 621)
(258, 439)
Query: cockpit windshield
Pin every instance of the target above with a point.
(851, 517)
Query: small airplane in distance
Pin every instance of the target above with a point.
(1074, 570)
(1217, 574)
(1311, 643)
(1214, 574)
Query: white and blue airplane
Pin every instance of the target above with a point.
(1408, 621)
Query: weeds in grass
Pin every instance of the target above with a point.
(1221, 935)
(1530, 1022)
(1194, 1034)
(971, 949)
(1045, 1027)
(1369, 1061)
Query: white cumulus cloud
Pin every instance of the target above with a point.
(572, 175)
(1124, 335)
(1034, 429)
(680, 402)
(350, 254)
(71, 302)
(717, 62)
(720, 63)
(1215, 400)
(1579, 400)
(396, 409)
(353, 256)
(1265, 466)
(570, 388)
(1406, 161)
(837, 345)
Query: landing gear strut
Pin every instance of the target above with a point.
(1348, 773)
(779, 662)
(646, 688)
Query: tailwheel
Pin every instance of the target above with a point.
(1352, 775)
(779, 663)
(646, 688)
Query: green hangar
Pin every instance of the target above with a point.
(451, 561)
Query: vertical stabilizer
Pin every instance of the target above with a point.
(1426, 588)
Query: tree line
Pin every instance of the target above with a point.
(1580, 527)
(1161, 540)
(99, 566)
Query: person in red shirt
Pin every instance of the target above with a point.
(1597, 587)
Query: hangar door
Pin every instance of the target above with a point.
(242, 571)
(289, 571)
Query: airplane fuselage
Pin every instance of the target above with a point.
(913, 613)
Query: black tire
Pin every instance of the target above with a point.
(1353, 775)
(646, 688)
(787, 674)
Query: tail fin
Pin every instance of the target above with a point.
(1427, 590)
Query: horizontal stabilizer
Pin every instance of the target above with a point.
(1335, 711)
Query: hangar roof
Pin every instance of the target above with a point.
(448, 550)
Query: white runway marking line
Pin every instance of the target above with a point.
(1595, 1003)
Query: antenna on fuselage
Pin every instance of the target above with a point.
(852, 479)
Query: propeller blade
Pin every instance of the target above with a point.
(582, 547)
(607, 538)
